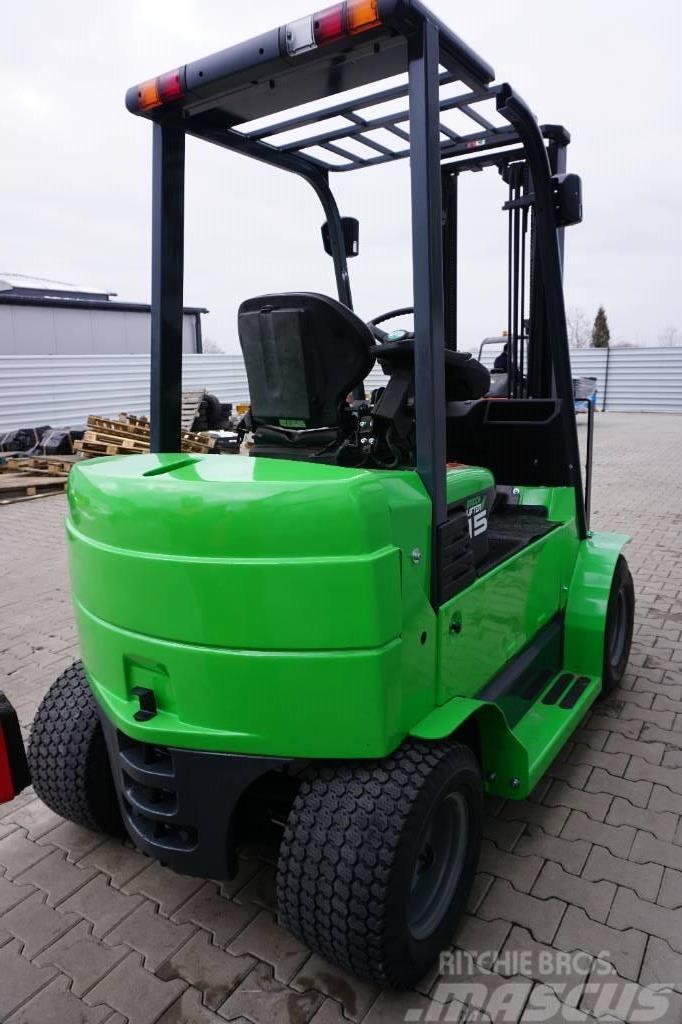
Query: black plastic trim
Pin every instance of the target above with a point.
(537, 684)
(178, 805)
(519, 673)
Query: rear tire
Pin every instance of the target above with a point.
(620, 616)
(378, 858)
(68, 758)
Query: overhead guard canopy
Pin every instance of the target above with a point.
(256, 78)
(231, 97)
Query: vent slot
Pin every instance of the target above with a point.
(455, 567)
(576, 691)
(555, 691)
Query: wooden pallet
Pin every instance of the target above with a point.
(121, 428)
(130, 435)
(52, 464)
(110, 437)
(98, 447)
(19, 486)
(39, 465)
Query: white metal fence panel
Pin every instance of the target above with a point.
(644, 380)
(63, 390)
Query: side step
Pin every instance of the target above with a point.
(550, 720)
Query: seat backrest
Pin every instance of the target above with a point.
(303, 354)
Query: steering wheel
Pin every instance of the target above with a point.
(465, 378)
(382, 336)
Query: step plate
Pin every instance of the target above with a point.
(555, 714)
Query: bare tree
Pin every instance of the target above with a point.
(578, 326)
(211, 346)
(670, 336)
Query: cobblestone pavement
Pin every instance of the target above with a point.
(92, 931)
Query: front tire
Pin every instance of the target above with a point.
(68, 758)
(378, 858)
(620, 617)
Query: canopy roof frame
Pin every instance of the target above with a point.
(218, 104)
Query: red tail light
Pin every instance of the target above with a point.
(329, 25)
(165, 89)
(169, 86)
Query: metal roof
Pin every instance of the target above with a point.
(10, 298)
(25, 284)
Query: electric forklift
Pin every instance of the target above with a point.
(419, 611)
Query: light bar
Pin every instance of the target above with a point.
(344, 19)
(157, 91)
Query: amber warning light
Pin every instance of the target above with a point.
(338, 22)
(158, 91)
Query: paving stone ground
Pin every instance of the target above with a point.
(580, 886)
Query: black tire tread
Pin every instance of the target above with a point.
(67, 755)
(622, 579)
(341, 838)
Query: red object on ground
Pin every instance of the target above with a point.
(6, 782)
(14, 773)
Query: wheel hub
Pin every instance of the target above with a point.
(619, 631)
(438, 865)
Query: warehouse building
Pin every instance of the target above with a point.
(42, 317)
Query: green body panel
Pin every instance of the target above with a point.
(588, 600)
(500, 613)
(516, 753)
(282, 608)
(274, 607)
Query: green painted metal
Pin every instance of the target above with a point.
(542, 732)
(588, 600)
(275, 607)
(515, 755)
(500, 613)
(282, 608)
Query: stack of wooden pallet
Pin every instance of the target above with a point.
(130, 435)
(49, 465)
(36, 477)
(189, 410)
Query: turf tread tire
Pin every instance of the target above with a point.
(622, 581)
(67, 755)
(339, 851)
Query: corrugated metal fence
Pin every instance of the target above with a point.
(63, 390)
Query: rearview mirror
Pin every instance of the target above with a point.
(568, 197)
(351, 236)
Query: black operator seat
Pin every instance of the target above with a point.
(465, 378)
(304, 353)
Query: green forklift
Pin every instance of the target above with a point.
(393, 604)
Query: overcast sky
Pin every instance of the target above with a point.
(75, 166)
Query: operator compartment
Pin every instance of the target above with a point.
(307, 357)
